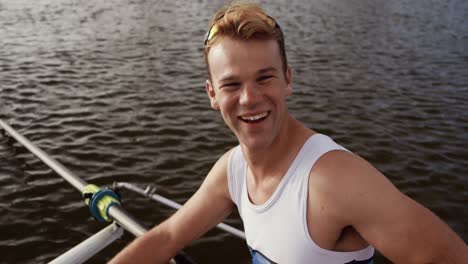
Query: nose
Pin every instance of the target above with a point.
(250, 95)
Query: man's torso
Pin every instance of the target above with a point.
(321, 231)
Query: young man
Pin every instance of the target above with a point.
(302, 197)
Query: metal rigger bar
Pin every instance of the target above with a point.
(149, 192)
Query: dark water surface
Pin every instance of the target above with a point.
(115, 91)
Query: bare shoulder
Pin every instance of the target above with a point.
(216, 180)
(214, 192)
(209, 205)
(352, 188)
(358, 195)
(339, 173)
(347, 187)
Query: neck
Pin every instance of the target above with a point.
(274, 159)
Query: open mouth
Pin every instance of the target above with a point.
(255, 118)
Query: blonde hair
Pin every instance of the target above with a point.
(244, 21)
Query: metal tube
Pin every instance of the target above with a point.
(155, 197)
(174, 205)
(91, 246)
(231, 230)
(51, 162)
(115, 212)
(126, 221)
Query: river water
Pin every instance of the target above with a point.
(115, 91)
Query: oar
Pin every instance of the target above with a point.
(105, 206)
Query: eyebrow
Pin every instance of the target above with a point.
(267, 69)
(229, 78)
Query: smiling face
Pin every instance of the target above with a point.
(249, 88)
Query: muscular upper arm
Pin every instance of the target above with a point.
(397, 226)
(206, 208)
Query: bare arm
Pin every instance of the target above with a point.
(206, 208)
(403, 230)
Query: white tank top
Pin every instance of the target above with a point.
(277, 231)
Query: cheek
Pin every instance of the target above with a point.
(226, 104)
(226, 107)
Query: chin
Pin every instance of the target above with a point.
(255, 143)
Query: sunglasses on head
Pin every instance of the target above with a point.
(214, 29)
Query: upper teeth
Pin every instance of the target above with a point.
(255, 117)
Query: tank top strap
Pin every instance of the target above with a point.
(314, 148)
(237, 166)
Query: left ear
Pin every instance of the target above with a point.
(288, 81)
(211, 94)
